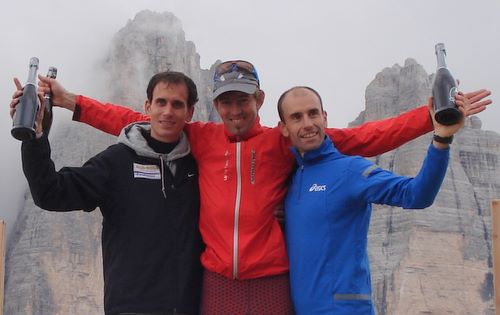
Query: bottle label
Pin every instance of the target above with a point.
(453, 92)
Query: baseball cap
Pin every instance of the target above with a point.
(235, 75)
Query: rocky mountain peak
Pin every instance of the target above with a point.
(434, 261)
(420, 258)
(150, 43)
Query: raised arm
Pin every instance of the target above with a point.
(109, 118)
(71, 188)
(383, 187)
(377, 137)
(105, 117)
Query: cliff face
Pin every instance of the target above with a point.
(438, 260)
(53, 261)
(148, 44)
(434, 261)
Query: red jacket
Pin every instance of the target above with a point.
(243, 181)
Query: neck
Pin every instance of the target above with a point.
(159, 146)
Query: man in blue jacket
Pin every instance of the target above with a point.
(328, 206)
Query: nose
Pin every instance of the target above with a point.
(168, 110)
(307, 122)
(234, 109)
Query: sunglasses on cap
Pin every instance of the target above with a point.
(239, 66)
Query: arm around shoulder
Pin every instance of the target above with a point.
(109, 118)
(377, 137)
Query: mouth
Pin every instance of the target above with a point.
(236, 120)
(309, 135)
(167, 123)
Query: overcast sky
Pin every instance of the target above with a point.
(336, 47)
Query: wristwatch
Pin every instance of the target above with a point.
(445, 140)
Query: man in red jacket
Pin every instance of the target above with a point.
(243, 171)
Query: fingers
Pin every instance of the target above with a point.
(430, 105)
(478, 95)
(39, 115)
(17, 94)
(464, 106)
(12, 108)
(18, 84)
(478, 107)
(44, 84)
(476, 101)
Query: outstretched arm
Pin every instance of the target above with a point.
(377, 137)
(106, 117)
(109, 118)
(383, 187)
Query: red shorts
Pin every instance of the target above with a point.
(267, 295)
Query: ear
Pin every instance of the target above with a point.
(147, 107)
(190, 114)
(283, 129)
(260, 98)
(326, 118)
(216, 105)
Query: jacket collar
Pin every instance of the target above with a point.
(325, 150)
(132, 137)
(255, 130)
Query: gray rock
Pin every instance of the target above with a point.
(433, 261)
(54, 261)
(438, 260)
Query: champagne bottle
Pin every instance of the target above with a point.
(444, 91)
(47, 113)
(23, 124)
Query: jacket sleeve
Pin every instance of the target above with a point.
(383, 187)
(107, 117)
(71, 188)
(377, 137)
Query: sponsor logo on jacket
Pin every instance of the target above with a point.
(316, 187)
(146, 171)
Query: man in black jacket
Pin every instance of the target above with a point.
(146, 187)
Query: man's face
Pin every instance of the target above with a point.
(304, 120)
(238, 110)
(169, 111)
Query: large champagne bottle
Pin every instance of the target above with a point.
(23, 124)
(444, 91)
(47, 113)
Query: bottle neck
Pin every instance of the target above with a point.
(32, 75)
(441, 58)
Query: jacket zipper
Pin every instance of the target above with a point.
(162, 178)
(237, 210)
(300, 180)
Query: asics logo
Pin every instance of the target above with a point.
(316, 187)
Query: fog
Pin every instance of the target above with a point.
(336, 47)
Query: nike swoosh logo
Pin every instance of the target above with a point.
(191, 175)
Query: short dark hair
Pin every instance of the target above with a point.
(282, 97)
(175, 78)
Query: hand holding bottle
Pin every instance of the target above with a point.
(47, 102)
(23, 123)
(59, 95)
(444, 90)
(443, 133)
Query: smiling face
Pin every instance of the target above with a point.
(169, 111)
(304, 120)
(238, 110)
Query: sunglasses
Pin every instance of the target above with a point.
(239, 66)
